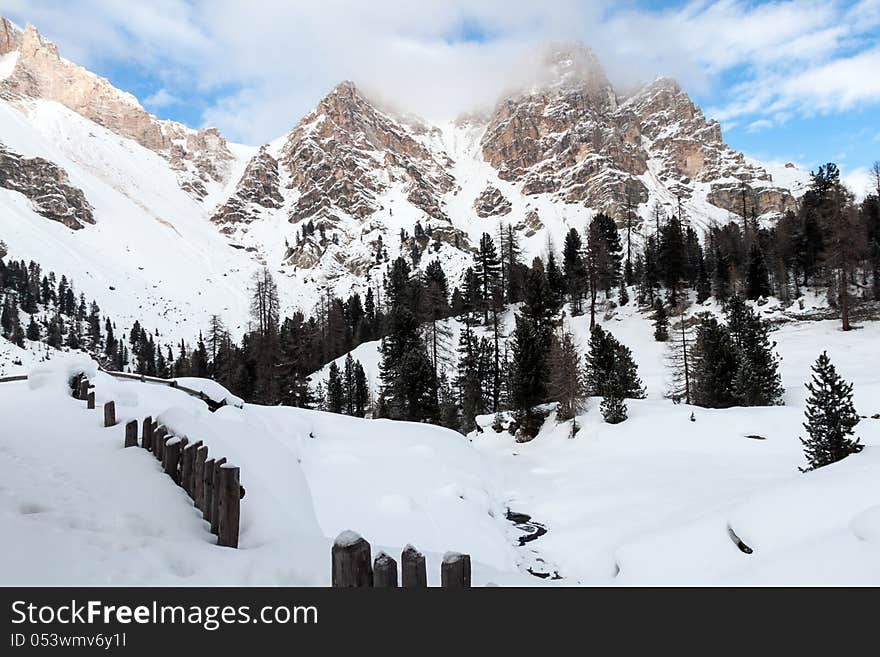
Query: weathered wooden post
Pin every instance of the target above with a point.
(159, 433)
(384, 572)
(350, 558)
(207, 484)
(215, 495)
(131, 433)
(413, 572)
(147, 433)
(455, 571)
(109, 414)
(186, 466)
(84, 389)
(160, 444)
(198, 493)
(90, 400)
(229, 492)
(171, 458)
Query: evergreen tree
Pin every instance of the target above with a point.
(335, 393)
(608, 360)
(757, 275)
(528, 379)
(574, 270)
(661, 321)
(348, 385)
(361, 391)
(714, 365)
(831, 417)
(613, 406)
(757, 381)
(33, 330)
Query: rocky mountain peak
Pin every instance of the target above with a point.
(201, 157)
(10, 37)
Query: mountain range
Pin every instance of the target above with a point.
(158, 220)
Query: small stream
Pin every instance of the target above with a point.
(532, 560)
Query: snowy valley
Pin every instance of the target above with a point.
(436, 272)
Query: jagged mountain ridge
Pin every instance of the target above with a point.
(201, 158)
(353, 184)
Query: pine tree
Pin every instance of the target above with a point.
(33, 330)
(348, 386)
(661, 321)
(608, 360)
(574, 270)
(831, 417)
(757, 275)
(335, 393)
(757, 381)
(487, 267)
(714, 366)
(361, 391)
(528, 376)
(613, 407)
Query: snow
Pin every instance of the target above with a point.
(85, 510)
(652, 501)
(211, 389)
(7, 64)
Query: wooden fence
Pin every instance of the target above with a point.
(213, 484)
(352, 566)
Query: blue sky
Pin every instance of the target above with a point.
(790, 80)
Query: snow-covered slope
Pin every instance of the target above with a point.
(85, 510)
(658, 499)
(151, 253)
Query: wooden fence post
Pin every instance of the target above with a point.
(350, 558)
(131, 433)
(198, 494)
(160, 443)
(215, 496)
(229, 510)
(147, 433)
(207, 484)
(413, 573)
(455, 571)
(84, 388)
(109, 414)
(384, 572)
(171, 458)
(186, 466)
(90, 400)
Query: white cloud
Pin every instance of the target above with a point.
(161, 98)
(860, 182)
(760, 124)
(268, 63)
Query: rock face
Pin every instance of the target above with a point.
(200, 157)
(578, 140)
(491, 203)
(47, 187)
(258, 188)
(687, 150)
(346, 152)
(566, 138)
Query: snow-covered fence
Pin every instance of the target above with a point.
(212, 484)
(352, 568)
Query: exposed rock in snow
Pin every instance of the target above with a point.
(491, 203)
(200, 157)
(48, 188)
